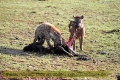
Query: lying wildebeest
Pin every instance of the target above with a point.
(77, 30)
(37, 47)
(63, 49)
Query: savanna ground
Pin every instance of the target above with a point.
(20, 18)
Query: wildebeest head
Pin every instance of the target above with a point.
(78, 20)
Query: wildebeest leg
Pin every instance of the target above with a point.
(71, 51)
(61, 48)
(81, 42)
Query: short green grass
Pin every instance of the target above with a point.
(20, 18)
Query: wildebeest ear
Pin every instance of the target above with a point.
(82, 17)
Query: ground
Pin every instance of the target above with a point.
(19, 19)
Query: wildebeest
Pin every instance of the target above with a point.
(48, 31)
(77, 30)
(63, 49)
(36, 47)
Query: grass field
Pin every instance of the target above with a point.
(20, 18)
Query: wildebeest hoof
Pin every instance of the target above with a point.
(83, 57)
(101, 52)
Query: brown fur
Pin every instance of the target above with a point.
(77, 30)
(48, 31)
(53, 28)
(81, 31)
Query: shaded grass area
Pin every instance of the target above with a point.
(19, 19)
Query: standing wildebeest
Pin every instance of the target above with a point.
(77, 30)
(48, 31)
